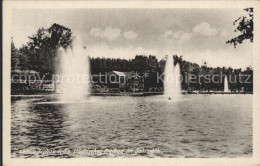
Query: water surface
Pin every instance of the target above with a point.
(195, 126)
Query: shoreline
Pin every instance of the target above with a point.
(138, 94)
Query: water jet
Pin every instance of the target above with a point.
(172, 83)
(74, 72)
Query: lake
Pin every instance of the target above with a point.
(195, 126)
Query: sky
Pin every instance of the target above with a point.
(197, 34)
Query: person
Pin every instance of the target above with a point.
(169, 98)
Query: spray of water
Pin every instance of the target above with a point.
(172, 83)
(226, 84)
(73, 71)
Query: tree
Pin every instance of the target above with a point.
(14, 56)
(245, 27)
(25, 58)
(44, 44)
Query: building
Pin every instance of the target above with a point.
(124, 81)
(30, 82)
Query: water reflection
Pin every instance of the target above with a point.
(196, 126)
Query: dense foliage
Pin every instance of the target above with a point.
(245, 27)
(39, 54)
(14, 56)
(151, 68)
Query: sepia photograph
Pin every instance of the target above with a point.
(131, 82)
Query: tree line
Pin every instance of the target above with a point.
(40, 54)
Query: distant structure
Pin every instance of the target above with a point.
(124, 81)
(28, 82)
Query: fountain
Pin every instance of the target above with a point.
(73, 71)
(172, 83)
(226, 84)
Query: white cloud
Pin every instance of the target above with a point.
(205, 29)
(178, 35)
(186, 36)
(130, 35)
(107, 33)
(168, 33)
